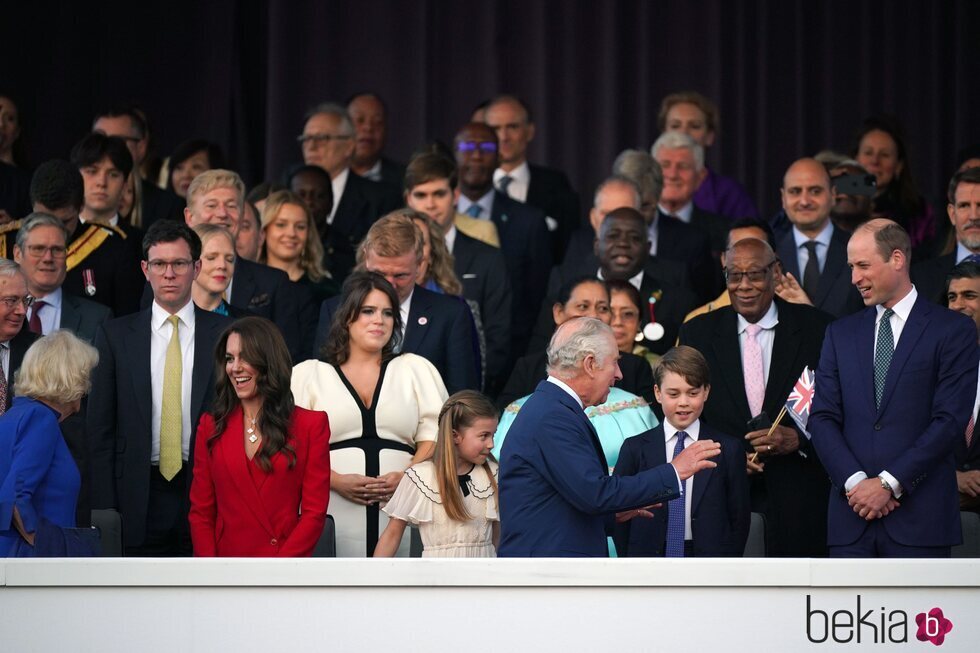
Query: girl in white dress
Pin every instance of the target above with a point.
(453, 498)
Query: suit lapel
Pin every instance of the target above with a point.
(863, 353)
(203, 352)
(911, 332)
(787, 256)
(702, 478)
(783, 361)
(244, 285)
(569, 403)
(418, 320)
(231, 446)
(138, 348)
(833, 267)
(728, 352)
(71, 317)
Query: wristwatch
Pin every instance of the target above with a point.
(886, 485)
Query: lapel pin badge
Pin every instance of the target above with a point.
(423, 321)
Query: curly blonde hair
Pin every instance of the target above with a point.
(57, 368)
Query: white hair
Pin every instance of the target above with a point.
(9, 268)
(618, 180)
(575, 340)
(673, 140)
(334, 109)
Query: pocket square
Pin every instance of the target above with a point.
(469, 275)
(260, 300)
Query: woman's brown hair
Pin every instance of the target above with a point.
(263, 347)
(336, 348)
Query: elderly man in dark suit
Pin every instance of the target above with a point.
(369, 114)
(963, 209)
(544, 188)
(756, 349)
(329, 141)
(155, 377)
(15, 339)
(814, 252)
(218, 197)
(437, 327)
(557, 498)
(895, 388)
(522, 228)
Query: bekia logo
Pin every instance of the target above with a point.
(874, 625)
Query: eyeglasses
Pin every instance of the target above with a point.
(487, 147)
(38, 251)
(180, 266)
(321, 138)
(734, 277)
(12, 301)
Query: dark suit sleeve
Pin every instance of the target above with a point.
(496, 319)
(737, 494)
(286, 315)
(101, 424)
(462, 369)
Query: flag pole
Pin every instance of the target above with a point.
(782, 413)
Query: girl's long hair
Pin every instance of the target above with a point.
(265, 350)
(460, 411)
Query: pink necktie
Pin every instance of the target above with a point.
(969, 430)
(755, 380)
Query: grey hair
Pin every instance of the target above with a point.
(675, 139)
(643, 170)
(35, 220)
(334, 109)
(9, 268)
(622, 180)
(576, 339)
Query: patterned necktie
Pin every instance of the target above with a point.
(755, 380)
(170, 408)
(504, 183)
(3, 380)
(34, 324)
(884, 348)
(675, 511)
(972, 258)
(970, 427)
(474, 211)
(811, 275)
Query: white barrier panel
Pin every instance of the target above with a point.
(762, 605)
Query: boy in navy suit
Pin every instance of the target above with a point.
(711, 518)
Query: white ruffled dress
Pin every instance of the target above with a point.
(417, 501)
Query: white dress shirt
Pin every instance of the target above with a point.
(338, 183)
(450, 237)
(114, 220)
(765, 337)
(683, 214)
(160, 333)
(403, 309)
(670, 441)
(374, 172)
(636, 280)
(520, 181)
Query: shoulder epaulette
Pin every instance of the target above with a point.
(11, 226)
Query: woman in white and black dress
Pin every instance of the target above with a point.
(383, 409)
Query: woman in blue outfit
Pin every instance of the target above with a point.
(38, 477)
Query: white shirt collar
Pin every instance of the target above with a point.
(823, 237)
(636, 280)
(159, 315)
(405, 308)
(450, 237)
(521, 173)
(564, 386)
(338, 183)
(768, 321)
(902, 308)
(693, 431)
(962, 252)
(374, 172)
(114, 220)
(683, 214)
(485, 202)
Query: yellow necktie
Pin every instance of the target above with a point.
(170, 409)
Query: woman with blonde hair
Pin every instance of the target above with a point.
(39, 480)
(218, 259)
(452, 498)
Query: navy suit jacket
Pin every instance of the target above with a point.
(118, 421)
(440, 329)
(835, 292)
(925, 406)
(556, 495)
(550, 191)
(526, 246)
(929, 277)
(720, 507)
(363, 202)
(83, 317)
(19, 345)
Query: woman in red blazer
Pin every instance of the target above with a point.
(261, 465)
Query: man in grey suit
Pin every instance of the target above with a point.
(41, 252)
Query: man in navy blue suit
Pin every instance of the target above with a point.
(556, 496)
(712, 518)
(894, 389)
(963, 296)
(437, 327)
(522, 228)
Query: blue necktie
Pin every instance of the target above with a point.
(972, 258)
(504, 183)
(474, 211)
(675, 511)
(884, 348)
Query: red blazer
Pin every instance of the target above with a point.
(230, 516)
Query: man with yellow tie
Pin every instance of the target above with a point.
(153, 380)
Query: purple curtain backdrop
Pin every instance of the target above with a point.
(790, 77)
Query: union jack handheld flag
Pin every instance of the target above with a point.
(800, 399)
